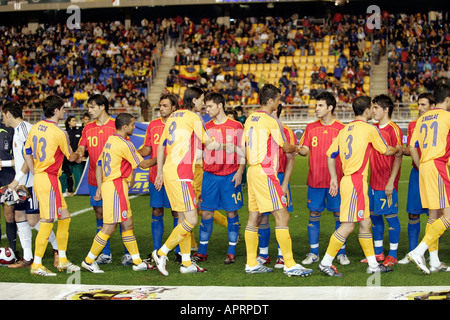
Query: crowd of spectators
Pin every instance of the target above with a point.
(225, 45)
(418, 48)
(101, 57)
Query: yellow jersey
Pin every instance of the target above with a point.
(354, 144)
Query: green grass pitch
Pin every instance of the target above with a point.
(83, 227)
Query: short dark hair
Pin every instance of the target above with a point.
(329, 99)
(428, 96)
(441, 92)
(384, 101)
(172, 98)
(123, 119)
(190, 94)
(14, 108)
(99, 100)
(269, 91)
(215, 97)
(66, 123)
(360, 104)
(50, 104)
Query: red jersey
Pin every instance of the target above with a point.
(411, 127)
(292, 139)
(152, 137)
(381, 165)
(219, 162)
(93, 138)
(318, 138)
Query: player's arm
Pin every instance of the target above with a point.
(389, 189)
(6, 163)
(290, 162)
(147, 163)
(19, 175)
(333, 174)
(159, 181)
(414, 152)
(145, 151)
(303, 150)
(394, 151)
(99, 178)
(74, 156)
(80, 151)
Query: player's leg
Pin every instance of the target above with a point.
(316, 205)
(26, 237)
(231, 201)
(206, 228)
(100, 240)
(233, 235)
(264, 239)
(105, 256)
(11, 226)
(376, 215)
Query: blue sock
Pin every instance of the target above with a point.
(313, 233)
(107, 249)
(394, 233)
(175, 223)
(233, 234)
(157, 231)
(206, 228)
(264, 238)
(378, 232)
(413, 233)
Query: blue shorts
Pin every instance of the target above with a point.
(92, 192)
(219, 193)
(289, 206)
(158, 199)
(31, 206)
(320, 199)
(378, 202)
(414, 203)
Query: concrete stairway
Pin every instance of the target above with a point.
(159, 82)
(379, 77)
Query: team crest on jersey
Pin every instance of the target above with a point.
(229, 138)
(360, 214)
(283, 199)
(124, 214)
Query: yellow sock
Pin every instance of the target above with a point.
(251, 244)
(220, 219)
(435, 231)
(366, 243)
(336, 243)
(62, 238)
(185, 250)
(98, 244)
(178, 234)
(193, 242)
(41, 242)
(435, 245)
(285, 242)
(129, 240)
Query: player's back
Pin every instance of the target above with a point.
(432, 136)
(263, 135)
(292, 139)
(20, 137)
(182, 134)
(48, 144)
(119, 157)
(355, 145)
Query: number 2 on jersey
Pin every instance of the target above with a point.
(434, 127)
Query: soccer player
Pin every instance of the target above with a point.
(263, 136)
(431, 135)
(353, 145)
(285, 168)
(6, 176)
(315, 142)
(183, 132)
(425, 102)
(383, 182)
(27, 213)
(93, 139)
(168, 103)
(116, 163)
(45, 149)
(222, 177)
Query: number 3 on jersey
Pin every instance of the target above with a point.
(349, 146)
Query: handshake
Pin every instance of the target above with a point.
(16, 196)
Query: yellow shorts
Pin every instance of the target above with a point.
(48, 192)
(116, 205)
(181, 195)
(264, 191)
(354, 198)
(434, 185)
